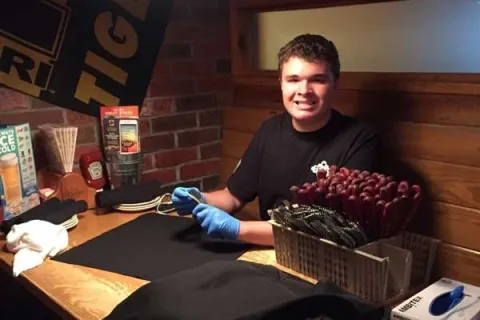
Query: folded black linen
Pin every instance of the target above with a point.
(153, 246)
(129, 194)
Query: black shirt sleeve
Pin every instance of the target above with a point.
(365, 153)
(243, 183)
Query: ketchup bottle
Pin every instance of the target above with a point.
(92, 169)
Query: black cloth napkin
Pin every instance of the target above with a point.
(67, 209)
(128, 194)
(53, 210)
(152, 246)
(227, 290)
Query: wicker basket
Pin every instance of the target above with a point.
(378, 272)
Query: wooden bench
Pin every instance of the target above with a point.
(429, 125)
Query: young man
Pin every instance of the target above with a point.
(287, 146)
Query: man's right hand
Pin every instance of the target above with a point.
(183, 202)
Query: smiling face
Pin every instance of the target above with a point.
(307, 90)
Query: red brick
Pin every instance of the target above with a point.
(215, 84)
(159, 88)
(223, 66)
(39, 151)
(180, 11)
(183, 31)
(211, 118)
(148, 162)
(85, 148)
(217, 49)
(208, 11)
(175, 157)
(164, 175)
(161, 69)
(211, 150)
(176, 51)
(13, 100)
(157, 107)
(145, 127)
(191, 68)
(40, 104)
(195, 31)
(86, 134)
(225, 97)
(173, 123)
(199, 169)
(196, 102)
(34, 118)
(157, 142)
(196, 137)
(78, 119)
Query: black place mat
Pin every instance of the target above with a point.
(151, 247)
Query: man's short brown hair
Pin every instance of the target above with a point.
(311, 47)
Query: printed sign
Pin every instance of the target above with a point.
(120, 130)
(18, 179)
(81, 55)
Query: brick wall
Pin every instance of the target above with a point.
(181, 118)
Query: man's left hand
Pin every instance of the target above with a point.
(216, 222)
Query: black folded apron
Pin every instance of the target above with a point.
(152, 246)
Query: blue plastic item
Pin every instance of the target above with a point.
(446, 301)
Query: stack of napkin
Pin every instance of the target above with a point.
(129, 194)
(52, 210)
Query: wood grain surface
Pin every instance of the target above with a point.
(78, 292)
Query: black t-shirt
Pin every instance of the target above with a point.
(279, 157)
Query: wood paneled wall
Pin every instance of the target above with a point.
(430, 138)
(430, 126)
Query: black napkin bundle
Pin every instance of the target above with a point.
(322, 222)
(53, 210)
(129, 194)
(240, 290)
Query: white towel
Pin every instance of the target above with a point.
(33, 241)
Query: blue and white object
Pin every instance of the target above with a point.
(444, 299)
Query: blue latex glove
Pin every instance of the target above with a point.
(182, 202)
(216, 222)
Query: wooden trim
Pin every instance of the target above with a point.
(451, 144)
(278, 5)
(456, 225)
(451, 183)
(267, 77)
(241, 33)
(457, 263)
(445, 109)
(444, 143)
(441, 83)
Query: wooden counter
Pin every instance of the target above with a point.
(80, 292)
